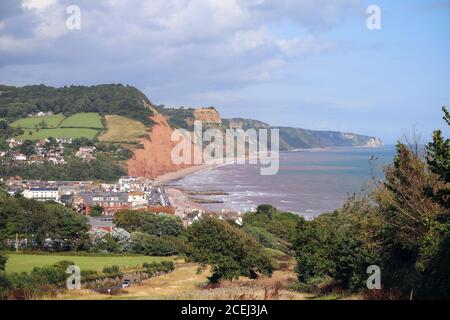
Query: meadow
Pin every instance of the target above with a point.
(87, 125)
(58, 133)
(83, 120)
(52, 121)
(122, 129)
(26, 262)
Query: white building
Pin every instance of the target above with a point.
(19, 157)
(138, 200)
(42, 194)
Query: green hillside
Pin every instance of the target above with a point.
(73, 133)
(19, 102)
(83, 120)
(52, 121)
(80, 125)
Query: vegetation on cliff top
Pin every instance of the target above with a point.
(19, 102)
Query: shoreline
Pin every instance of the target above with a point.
(176, 175)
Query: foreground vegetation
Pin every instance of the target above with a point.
(403, 227)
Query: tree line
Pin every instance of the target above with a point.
(19, 102)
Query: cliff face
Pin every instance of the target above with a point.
(154, 159)
(209, 115)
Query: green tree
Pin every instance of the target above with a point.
(438, 158)
(96, 211)
(143, 221)
(230, 251)
(3, 260)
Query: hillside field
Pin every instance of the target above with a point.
(83, 120)
(25, 263)
(122, 129)
(87, 125)
(59, 133)
(52, 121)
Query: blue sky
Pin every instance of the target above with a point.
(302, 63)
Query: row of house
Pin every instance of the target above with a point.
(137, 194)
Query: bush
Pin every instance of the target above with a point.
(230, 251)
(3, 260)
(151, 245)
(111, 270)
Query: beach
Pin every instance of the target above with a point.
(173, 176)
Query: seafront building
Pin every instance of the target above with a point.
(129, 193)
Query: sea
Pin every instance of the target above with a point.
(309, 182)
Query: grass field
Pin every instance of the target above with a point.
(83, 120)
(52, 121)
(122, 129)
(59, 133)
(80, 125)
(25, 263)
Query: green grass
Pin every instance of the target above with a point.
(52, 121)
(26, 262)
(80, 125)
(59, 133)
(122, 129)
(83, 120)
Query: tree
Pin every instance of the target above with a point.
(152, 245)
(3, 260)
(230, 251)
(438, 158)
(143, 221)
(340, 245)
(96, 210)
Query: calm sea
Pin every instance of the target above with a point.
(309, 182)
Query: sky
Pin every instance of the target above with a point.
(303, 63)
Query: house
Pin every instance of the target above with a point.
(138, 200)
(191, 217)
(13, 143)
(111, 202)
(85, 153)
(42, 194)
(63, 140)
(103, 223)
(56, 159)
(161, 210)
(19, 157)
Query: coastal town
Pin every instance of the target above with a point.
(100, 201)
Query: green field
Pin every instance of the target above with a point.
(80, 125)
(83, 120)
(59, 133)
(52, 121)
(26, 262)
(122, 129)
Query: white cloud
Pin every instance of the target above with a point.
(173, 46)
(39, 5)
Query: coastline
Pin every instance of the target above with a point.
(176, 175)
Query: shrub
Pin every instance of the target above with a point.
(230, 251)
(151, 245)
(111, 270)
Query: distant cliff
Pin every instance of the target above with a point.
(296, 138)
